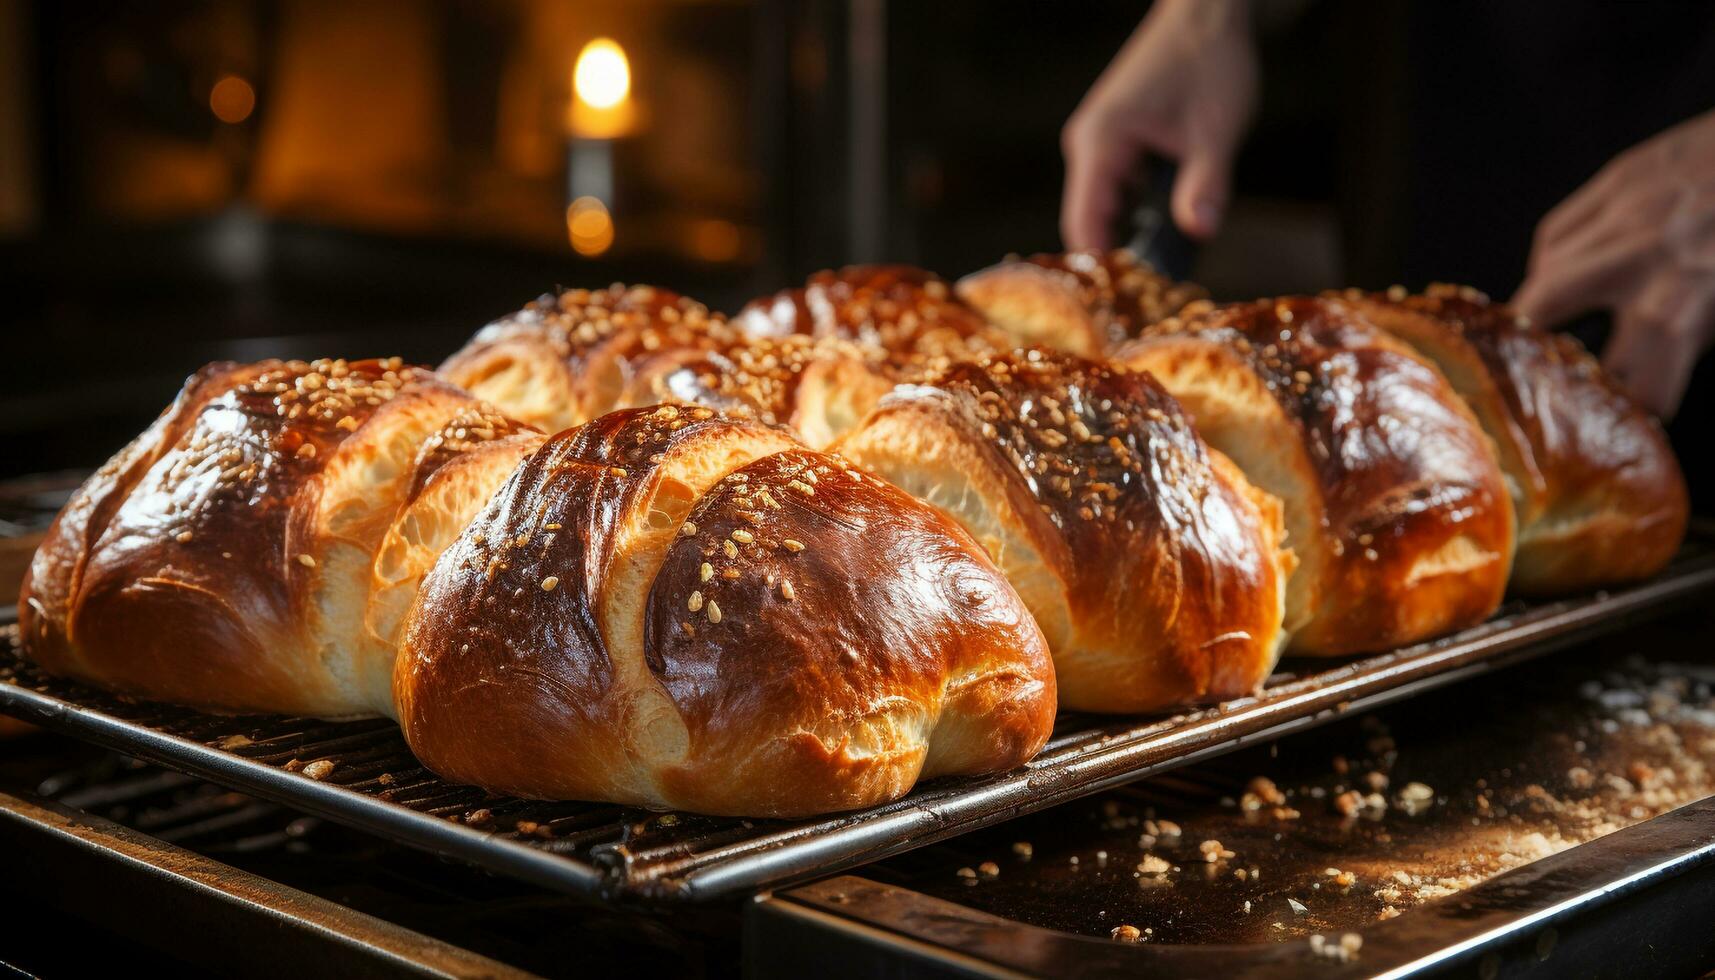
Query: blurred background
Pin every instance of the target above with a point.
(188, 180)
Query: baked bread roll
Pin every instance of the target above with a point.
(565, 359)
(225, 558)
(1084, 302)
(1599, 495)
(901, 309)
(668, 608)
(820, 387)
(1395, 504)
(1154, 568)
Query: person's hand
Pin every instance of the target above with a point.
(1637, 239)
(1182, 87)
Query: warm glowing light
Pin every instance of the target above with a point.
(232, 99)
(590, 226)
(714, 240)
(602, 77)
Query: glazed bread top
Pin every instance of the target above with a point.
(1600, 497)
(671, 608)
(567, 358)
(1084, 302)
(898, 308)
(224, 558)
(1396, 505)
(1154, 568)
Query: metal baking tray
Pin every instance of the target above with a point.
(361, 773)
(1639, 896)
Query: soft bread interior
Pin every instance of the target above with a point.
(424, 528)
(916, 449)
(1033, 304)
(525, 379)
(833, 396)
(640, 545)
(1237, 415)
(362, 488)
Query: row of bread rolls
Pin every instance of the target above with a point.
(1426, 451)
(665, 606)
(692, 605)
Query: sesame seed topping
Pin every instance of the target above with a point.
(793, 544)
(696, 601)
(714, 612)
(347, 423)
(742, 536)
(802, 487)
(730, 549)
(182, 537)
(550, 583)
(706, 572)
(787, 592)
(306, 561)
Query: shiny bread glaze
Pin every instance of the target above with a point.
(1397, 469)
(1603, 499)
(192, 567)
(899, 308)
(567, 357)
(751, 688)
(1169, 565)
(1083, 301)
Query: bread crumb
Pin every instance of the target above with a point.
(1152, 865)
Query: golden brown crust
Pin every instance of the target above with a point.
(222, 559)
(818, 386)
(898, 308)
(1398, 510)
(1083, 302)
(1155, 574)
(807, 639)
(1601, 496)
(567, 358)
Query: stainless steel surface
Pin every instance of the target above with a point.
(612, 852)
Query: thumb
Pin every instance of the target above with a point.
(1201, 190)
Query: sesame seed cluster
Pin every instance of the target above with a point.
(1127, 293)
(333, 391)
(761, 374)
(897, 308)
(471, 427)
(576, 324)
(737, 533)
(1086, 438)
(613, 448)
(300, 410)
(1294, 345)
